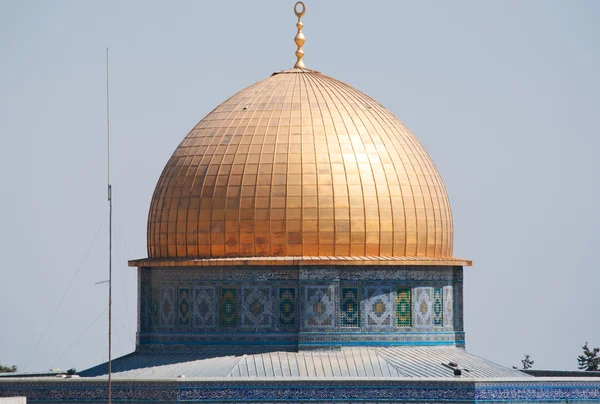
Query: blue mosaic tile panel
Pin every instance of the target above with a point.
(228, 312)
(256, 310)
(154, 306)
(448, 306)
(167, 306)
(438, 307)
(379, 306)
(288, 315)
(378, 339)
(403, 307)
(536, 391)
(457, 285)
(423, 306)
(320, 306)
(326, 394)
(183, 307)
(320, 300)
(145, 305)
(349, 308)
(204, 306)
(91, 392)
(322, 391)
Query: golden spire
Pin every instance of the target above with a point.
(299, 39)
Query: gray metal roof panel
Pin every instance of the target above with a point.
(364, 362)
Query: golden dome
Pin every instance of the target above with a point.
(300, 164)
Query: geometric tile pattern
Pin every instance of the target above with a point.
(204, 305)
(256, 310)
(228, 312)
(283, 307)
(379, 306)
(422, 306)
(349, 308)
(183, 307)
(403, 307)
(299, 390)
(154, 306)
(320, 306)
(448, 306)
(369, 305)
(437, 307)
(145, 300)
(167, 306)
(458, 299)
(288, 314)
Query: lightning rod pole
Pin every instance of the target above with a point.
(109, 242)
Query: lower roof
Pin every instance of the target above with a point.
(354, 362)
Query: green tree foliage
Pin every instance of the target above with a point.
(8, 369)
(527, 362)
(589, 361)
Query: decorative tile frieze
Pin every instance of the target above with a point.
(145, 305)
(369, 273)
(448, 306)
(423, 306)
(183, 307)
(228, 310)
(379, 306)
(167, 306)
(201, 309)
(438, 307)
(155, 305)
(257, 310)
(224, 274)
(302, 391)
(320, 306)
(204, 303)
(403, 307)
(350, 307)
(288, 312)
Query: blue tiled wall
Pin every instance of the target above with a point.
(311, 307)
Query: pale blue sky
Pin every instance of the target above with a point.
(504, 95)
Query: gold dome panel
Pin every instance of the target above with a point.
(300, 164)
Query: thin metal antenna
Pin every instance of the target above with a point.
(109, 241)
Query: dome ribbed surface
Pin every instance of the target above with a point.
(300, 164)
